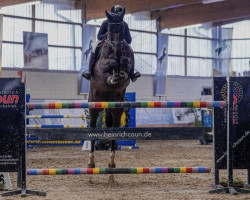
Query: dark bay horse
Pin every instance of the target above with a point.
(110, 78)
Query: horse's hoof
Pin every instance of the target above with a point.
(91, 165)
(111, 180)
(112, 165)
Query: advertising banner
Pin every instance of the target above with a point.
(88, 40)
(222, 47)
(1, 41)
(239, 126)
(12, 124)
(35, 50)
(161, 73)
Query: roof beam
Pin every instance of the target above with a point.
(95, 8)
(220, 23)
(202, 13)
(13, 2)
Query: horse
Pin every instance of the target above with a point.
(223, 46)
(163, 55)
(86, 53)
(110, 78)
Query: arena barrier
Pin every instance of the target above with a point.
(136, 170)
(54, 116)
(55, 126)
(232, 118)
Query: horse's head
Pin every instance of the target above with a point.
(116, 26)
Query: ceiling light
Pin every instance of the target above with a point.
(185, 27)
(211, 1)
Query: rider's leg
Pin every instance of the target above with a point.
(134, 75)
(87, 74)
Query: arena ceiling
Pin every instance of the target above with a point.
(175, 13)
(172, 13)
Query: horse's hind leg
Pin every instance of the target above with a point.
(109, 124)
(117, 113)
(93, 118)
(112, 155)
(91, 163)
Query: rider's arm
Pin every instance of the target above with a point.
(127, 34)
(102, 33)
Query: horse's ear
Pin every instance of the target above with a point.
(109, 17)
(122, 13)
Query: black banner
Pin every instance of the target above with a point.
(220, 124)
(239, 122)
(12, 124)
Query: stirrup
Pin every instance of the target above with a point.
(86, 75)
(135, 76)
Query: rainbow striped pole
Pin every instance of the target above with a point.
(53, 116)
(137, 170)
(147, 104)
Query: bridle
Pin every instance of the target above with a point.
(113, 44)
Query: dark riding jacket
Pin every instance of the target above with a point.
(102, 34)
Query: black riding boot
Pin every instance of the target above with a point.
(133, 75)
(87, 74)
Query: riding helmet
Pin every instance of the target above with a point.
(116, 9)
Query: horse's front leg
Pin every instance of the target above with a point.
(124, 65)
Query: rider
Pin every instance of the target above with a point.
(102, 34)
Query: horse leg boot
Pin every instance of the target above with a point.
(87, 74)
(112, 155)
(124, 63)
(114, 65)
(91, 163)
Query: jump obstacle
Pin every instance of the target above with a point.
(20, 153)
(128, 144)
(149, 104)
(137, 170)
